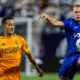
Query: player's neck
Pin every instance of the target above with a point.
(8, 35)
(77, 21)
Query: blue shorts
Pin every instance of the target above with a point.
(70, 67)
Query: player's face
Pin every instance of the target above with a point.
(9, 26)
(76, 13)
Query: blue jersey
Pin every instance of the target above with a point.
(72, 30)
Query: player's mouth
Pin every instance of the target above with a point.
(78, 17)
(12, 29)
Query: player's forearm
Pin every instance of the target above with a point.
(32, 60)
(54, 22)
(51, 20)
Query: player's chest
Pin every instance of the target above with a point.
(10, 43)
(75, 29)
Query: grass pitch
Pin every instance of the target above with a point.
(47, 76)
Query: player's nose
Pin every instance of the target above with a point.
(12, 27)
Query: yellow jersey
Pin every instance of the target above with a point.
(10, 51)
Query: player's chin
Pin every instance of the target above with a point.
(78, 19)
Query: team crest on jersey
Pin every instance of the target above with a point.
(3, 44)
(16, 42)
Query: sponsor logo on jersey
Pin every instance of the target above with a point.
(9, 50)
(76, 35)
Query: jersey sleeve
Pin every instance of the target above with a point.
(67, 23)
(25, 47)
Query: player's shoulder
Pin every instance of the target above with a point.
(70, 19)
(1, 37)
(19, 36)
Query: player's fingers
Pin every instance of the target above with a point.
(41, 75)
(43, 16)
(40, 17)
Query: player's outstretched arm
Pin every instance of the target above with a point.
(32, 60)
(52, 21)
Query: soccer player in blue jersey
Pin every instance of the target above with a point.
(71, 63)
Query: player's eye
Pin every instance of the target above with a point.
(76, 11)
(9, 24)
(13, 24)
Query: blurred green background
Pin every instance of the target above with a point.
(47, 76)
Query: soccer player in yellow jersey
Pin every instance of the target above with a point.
(10, 52)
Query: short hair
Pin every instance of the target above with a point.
(78, 5)
(5, 19)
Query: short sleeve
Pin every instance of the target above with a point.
(25, 47)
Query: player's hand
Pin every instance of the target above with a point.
(40, 72)
(43, 16)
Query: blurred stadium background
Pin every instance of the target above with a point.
(47, 44)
